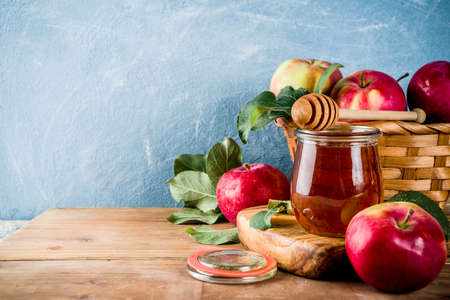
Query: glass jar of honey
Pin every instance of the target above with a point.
(336, 174)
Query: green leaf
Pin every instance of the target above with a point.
(252, 111)
(323, 79)
(286, 91)
(287, 96)
(265, 119)
(189, 162)
(266, 107)
(261, 220)
(206, 235)
(300, 92)
(191, 215)
(195, 189)
(221, 158)
(272, 115)
(427, 204)
(284, 205)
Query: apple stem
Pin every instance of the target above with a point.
(410, 212)
(404, 225)
(247, 166)
(363, 82)
(403, 76)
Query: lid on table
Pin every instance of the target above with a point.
(230, 266)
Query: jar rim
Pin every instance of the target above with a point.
(348, 131)
(341, 134)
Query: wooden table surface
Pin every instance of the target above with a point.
(134, 253)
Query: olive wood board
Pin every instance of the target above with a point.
(295, 250)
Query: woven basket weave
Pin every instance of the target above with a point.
(413, 157)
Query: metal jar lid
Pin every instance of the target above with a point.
(230, 266)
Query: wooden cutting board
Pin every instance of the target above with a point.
(295, 250)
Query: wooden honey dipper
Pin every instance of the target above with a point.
(319, 112)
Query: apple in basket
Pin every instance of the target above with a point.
(369, 90)
(250, 185)
(396, 246)
(429, 89)
(303, 73)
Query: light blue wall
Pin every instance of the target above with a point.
(97, 97)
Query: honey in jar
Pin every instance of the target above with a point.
(336, 174)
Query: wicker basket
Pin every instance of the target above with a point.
(412, 156)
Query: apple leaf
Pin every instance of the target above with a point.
(206, 235)
(253, 110)
(264, 108)
(193, 215)
(195, 179)
(288, 95)
(262, 220)
(221, 158)
(325, 75)
(427, 204)
(285, 206)
(195, 189)
(189, 162)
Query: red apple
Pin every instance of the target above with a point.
(396, 246)
(369, 90)
(429, 89)
(250, 185)
(302, 73)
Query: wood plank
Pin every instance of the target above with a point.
(106, 233)
(152, 269)
(160, 280)
(290, 287)
(97, 280)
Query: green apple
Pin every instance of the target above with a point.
(303, 73)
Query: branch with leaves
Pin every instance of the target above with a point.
(194, 183)
(267, 107)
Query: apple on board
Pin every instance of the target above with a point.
(303, 73)
(369, 90)
(396, 246)
(250, 185)
(429, 89)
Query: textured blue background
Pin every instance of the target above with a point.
(97, 97)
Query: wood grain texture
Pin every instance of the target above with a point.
(439, 197)
(107, 233)
(92, 270)
(295, 250)
(161, 280)
(391, 173)
(408, 162)
(393, 151)
(411, 140)
(434, 151)
(433, 173)
(407, 185)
